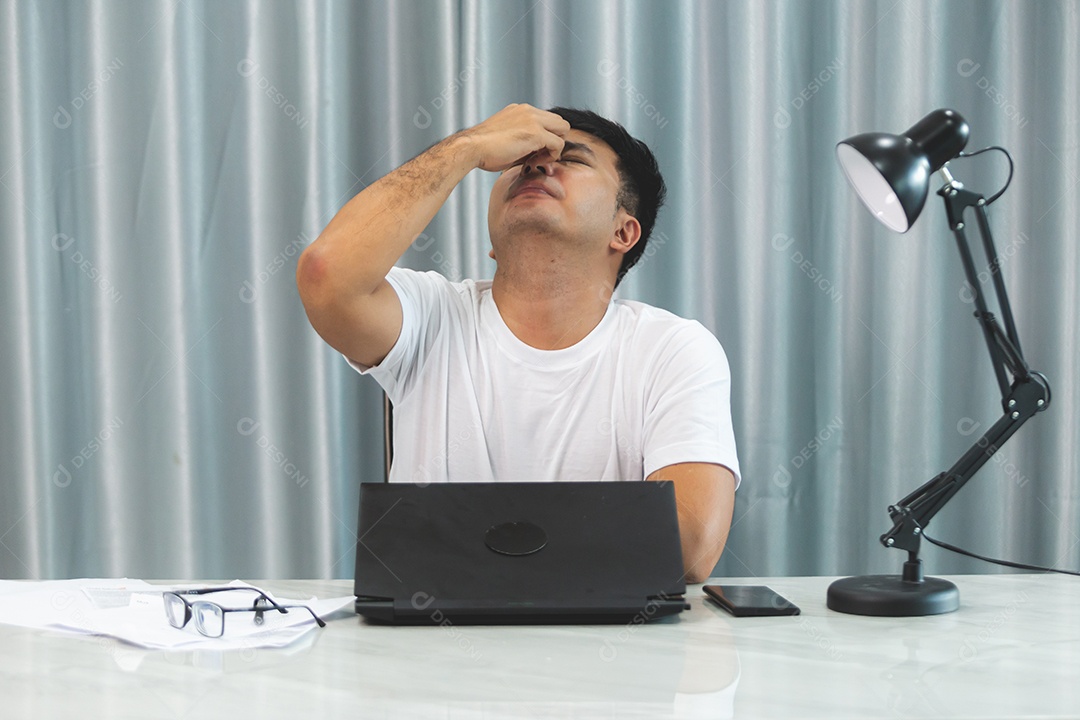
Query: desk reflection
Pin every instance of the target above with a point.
(684, 667)
(676, 667)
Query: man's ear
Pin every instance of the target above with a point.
(627, 232)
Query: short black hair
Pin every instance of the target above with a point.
(642, 191)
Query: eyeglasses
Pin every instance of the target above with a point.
(210, 617)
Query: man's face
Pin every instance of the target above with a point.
(572, 198)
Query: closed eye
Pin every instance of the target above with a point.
(573, 160)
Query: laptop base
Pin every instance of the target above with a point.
(384, 612)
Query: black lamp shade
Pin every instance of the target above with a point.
(891, 173)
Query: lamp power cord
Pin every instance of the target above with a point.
(1006, 563)
(1008, 157)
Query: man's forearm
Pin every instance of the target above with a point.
(374, 229)
(705, 497)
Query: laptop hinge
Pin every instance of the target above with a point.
(665, 599)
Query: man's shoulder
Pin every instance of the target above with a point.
(649, 320)
(663, 345)
(662, 340)
(431, 282)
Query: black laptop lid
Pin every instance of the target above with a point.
(537, 547)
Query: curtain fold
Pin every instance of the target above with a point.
(169, 413)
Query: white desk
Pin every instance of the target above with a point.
(1012, 650)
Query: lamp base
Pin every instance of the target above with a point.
(892, 596)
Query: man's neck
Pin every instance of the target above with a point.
(550, 309)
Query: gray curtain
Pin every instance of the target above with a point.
(168, 412)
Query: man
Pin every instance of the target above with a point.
(537, 374)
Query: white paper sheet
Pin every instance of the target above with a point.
(133, 611)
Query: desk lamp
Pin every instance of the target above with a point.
(891, 174)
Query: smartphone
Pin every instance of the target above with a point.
(750, 600)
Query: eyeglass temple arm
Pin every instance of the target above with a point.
(322, 623)
(284, 609)
(254, 606)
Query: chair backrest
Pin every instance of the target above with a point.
(388, 436)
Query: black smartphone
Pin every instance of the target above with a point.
(750, 600)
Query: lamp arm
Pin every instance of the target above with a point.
(1027, 394)
(1004, 347)
(913, 513)
(995, 272)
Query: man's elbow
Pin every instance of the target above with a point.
(312, 277)
(705, 497)
(694, 576)
(703, 543)
(701, 558)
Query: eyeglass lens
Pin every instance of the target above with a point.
(176, 610)
(209, 619)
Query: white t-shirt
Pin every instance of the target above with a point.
(473, 403)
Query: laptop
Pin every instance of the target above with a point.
(510, 553)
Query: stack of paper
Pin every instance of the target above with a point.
(133, 611)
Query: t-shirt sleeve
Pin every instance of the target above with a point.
(424, 298)
(688, 404)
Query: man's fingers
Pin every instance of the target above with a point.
(517, 129)
(555, 123)
(554, 146)
(550, 148)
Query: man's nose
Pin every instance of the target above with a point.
(540, 162)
